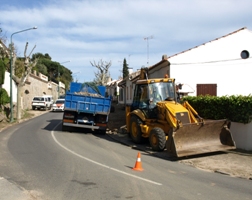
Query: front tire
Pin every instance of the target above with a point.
(157, 139)
(135, 129)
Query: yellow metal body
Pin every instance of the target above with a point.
(184, 131)
(166, 119)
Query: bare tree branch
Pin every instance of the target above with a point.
(102, 75)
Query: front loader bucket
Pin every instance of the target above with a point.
(193, 139)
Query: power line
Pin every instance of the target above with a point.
(208, 62)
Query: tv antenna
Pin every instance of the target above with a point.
(148, 38)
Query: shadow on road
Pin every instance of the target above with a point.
(124, 139)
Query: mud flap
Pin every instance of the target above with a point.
(193, 139)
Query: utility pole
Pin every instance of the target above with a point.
(148, 38)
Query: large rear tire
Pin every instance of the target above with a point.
(157, 139)
(135, 129)
(64, 128)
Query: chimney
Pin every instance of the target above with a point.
(164, 57)
(130, 70)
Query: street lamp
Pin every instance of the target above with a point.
(59, 75)
(11, 46)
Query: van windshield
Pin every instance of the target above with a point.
(38, 99)
(60, 102)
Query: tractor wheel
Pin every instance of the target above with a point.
(157, 139)
(135, 129)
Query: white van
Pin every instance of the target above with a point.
(50, 99)
(41, 102)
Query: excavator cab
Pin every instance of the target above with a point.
(156, 114)
(148, 94)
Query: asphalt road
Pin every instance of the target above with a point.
(46, 163)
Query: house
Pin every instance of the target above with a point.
(127, 85)
(219, 67)
(126, 88)
(112, 89)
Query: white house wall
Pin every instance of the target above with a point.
(129, 92)
(6, 86)
(217, 62)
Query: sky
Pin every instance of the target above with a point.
(77, 32)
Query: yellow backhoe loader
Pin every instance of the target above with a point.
(156, 114)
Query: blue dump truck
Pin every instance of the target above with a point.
(86, 107)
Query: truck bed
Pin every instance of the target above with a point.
(87, 104)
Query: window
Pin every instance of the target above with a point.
(131, 92)
(127, 92)
(244, 54)
(120, 94)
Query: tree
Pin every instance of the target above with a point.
(125, 69)
(4, 60)
(102, 75)
(54, 70)
(21, 78)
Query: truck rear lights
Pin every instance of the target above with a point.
(99, 124)
(69, 115)
(68, 120)
(102, 119)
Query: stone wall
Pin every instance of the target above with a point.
(37, 86)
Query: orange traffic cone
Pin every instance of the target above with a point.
(138, 165)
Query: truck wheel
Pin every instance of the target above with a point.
(112, 109)
(135, 129)
(64, 128)
(33, 107)
(157, 139)
(102, 132)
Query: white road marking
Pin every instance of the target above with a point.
(100, 164)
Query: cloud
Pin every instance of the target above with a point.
(83, 31)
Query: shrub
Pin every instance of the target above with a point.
(4, 97)
(2, 72)
(235, 108)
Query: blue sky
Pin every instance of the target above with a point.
(90, 30)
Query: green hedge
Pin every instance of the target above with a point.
(2, 72)
(234, 108)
